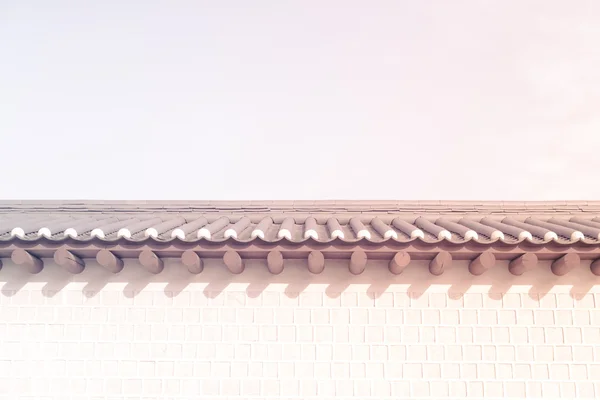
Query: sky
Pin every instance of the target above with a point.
(255, 100)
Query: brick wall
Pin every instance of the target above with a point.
(297, 335)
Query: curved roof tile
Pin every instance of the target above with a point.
(482, 222)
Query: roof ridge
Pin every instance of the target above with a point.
(305, 206)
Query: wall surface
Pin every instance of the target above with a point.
(298, 336)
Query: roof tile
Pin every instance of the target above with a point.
(329, 219)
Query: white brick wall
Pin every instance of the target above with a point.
(297, 335)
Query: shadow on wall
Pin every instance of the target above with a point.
(295, 279)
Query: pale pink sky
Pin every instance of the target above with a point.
(300, 100)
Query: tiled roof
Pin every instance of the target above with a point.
(322, 221)
(72, 232)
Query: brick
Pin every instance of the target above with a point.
(480, 335)
(489, 353)
(578, 372)
(455, 300)
(365, 299)
(540, 371)
(457, 389)
(514, 300)
(302, 316)
(417, 353)
(349, 299)
(450, 317)
(379, 353)
(344, 388)
(522, 371)
(286, 369)
(304, 333)
(427, 334)
(394, 316)
(413, 371)
(281, 316)
(419, 300)
(586, 390)
(564, 300)
(308, 388)
(550, 389)
(543, 317)
(270, 387)
(358, 370)
(469, 317)
(581, 317)
(374, 334)
(584, 300)
(485, 371)
(475, 389)
(339, 316)
(401, 300)
(324, 352)
(439, 389)
(554, 335)
(493, 389)
(413, 317)
(501, 334)
(353, 342)
(341, 351)
(385, 299)
(533, 389)
(593, 371)
(420, 389)
(563, 317)
(391, 334)
(359, 316)
(362, 388)
(488, 317)
(376, 316)
(525, 317)
(536, 335)
(341, 333)
(573, 335)
(437, 300)
(507, 317)
(446, 335)
(397, 352)
(432, 371)
(319, 316)
(558, 371)
(568, 390)
(473, 300)
(309, 352)
(450, 371)
(530, 300)
(325, 333)
(515, 390)
(492, 300)
(472, 353)
(431, 317)
(519, 335)
(305, 370)
(563, 353)
(410, 334)
(255, 369)
(504, 371)
(269, 370)
(548, 300)
(394, 370)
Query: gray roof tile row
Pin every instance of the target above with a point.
(376, 221)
